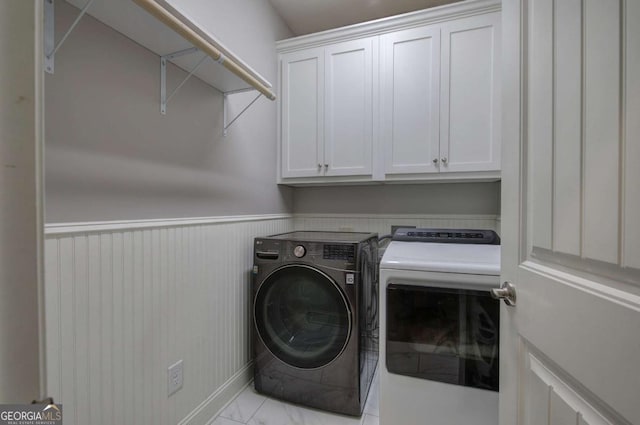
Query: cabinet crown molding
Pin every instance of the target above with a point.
(391, 23)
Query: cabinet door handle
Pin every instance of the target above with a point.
(444, 160)
(435, 161)
(319, 166)
(326, 166)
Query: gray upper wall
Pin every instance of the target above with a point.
(436, 198)
(111, 155)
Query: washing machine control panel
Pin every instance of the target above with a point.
(339, 252)
(336, 254)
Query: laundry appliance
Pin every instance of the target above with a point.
(315, 317)
(439, 328)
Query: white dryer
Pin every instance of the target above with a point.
(439, 328)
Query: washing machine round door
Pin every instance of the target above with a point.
(302, 316)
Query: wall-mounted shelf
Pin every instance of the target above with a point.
(126, 17)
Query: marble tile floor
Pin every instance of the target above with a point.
(251, 408)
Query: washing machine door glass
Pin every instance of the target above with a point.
(302, 316)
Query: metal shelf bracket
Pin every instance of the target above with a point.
(225, 107)
(164, 99)
(50, 46)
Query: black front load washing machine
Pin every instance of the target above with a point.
(315, 318)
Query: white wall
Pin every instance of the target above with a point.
(110, 153)
(126, 302)
(20, 206)
(381, 223)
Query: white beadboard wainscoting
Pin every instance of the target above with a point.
(381, 223)
(127, 299)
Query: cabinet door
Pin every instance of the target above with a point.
(470, 94)
(302, 106)
(410, 86)
(349, 108)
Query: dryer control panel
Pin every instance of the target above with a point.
(459, 236)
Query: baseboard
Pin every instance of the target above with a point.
(212, 405)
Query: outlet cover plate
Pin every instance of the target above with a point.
(175, 377)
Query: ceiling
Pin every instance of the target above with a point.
(308, 16)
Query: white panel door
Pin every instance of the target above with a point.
(570, 213)
(302, 103)
(410, 96)
(349, 108)
(470, 94)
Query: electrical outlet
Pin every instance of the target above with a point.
(175, 377)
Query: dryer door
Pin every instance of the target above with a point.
(302, 316)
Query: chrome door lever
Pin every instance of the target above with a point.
(507, 293)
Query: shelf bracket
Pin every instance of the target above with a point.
(164, 99)
(224, 108)
(50, 46)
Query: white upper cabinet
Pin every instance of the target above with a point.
(440, 99)
(410, 96)
(326, 108)
(348, 108)
(470, 94)
(302, 111)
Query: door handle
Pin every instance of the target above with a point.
(507, 293)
